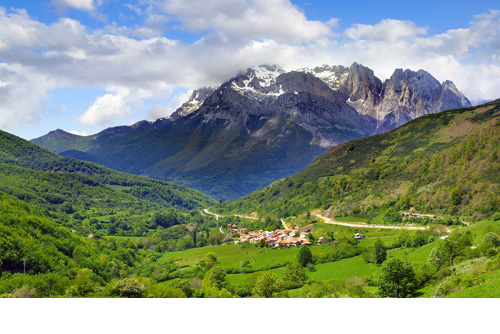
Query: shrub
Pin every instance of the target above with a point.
(491, 237)
(128, 287)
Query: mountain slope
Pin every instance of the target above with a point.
(445, 163)
(37, 164)
(260, 126)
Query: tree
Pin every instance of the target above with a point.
(454, 245)
(86, 283)
(215, 277)
(211, 257)
(380, 252)
(436, 258)
(267, 286)
(128, 287)
(397, 280)
(182, 285)
(294, 275)
(491, 237)
(304, 256)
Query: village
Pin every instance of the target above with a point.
(276, 238)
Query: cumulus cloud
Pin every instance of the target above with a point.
(387, 30)
(23, 94)
(107, 108)
(278, 20)
(134, 64)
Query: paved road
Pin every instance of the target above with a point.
(330, 221)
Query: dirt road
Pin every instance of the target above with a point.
(217, 216)
(362, 225)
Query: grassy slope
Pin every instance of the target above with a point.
(420, 164)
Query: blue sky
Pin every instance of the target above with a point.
(85, 65)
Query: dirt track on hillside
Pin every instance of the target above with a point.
(363, 225)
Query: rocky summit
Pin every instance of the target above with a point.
(262, 125)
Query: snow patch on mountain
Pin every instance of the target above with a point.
(334, 76)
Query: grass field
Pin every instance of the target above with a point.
(229, 256)
(262, 259)
(342, 269)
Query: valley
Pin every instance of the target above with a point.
(421, 199)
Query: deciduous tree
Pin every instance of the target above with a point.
(215, 277)
(380, 252)
(267, 286)
(304, 256)
(294, 275)
(397, 280)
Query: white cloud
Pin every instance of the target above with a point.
(62, 5)
(158, 111)
(37, 57)
(278, 20)
(23, 94)
(107, 108)
(79, 133)
(387, 30)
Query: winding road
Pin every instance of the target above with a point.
(330, 221)
(217, 216)
(392, 227)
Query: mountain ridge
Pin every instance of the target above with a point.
(261, 125)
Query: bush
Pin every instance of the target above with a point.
(311, 267)
(128, 287)
(445, 272)
(491, 252)
(491, 237)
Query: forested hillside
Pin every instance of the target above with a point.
(68, 225)
(17, 152)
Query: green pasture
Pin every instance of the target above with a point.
(342, 269)
(229, 256)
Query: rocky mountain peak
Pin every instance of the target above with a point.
(193, 103)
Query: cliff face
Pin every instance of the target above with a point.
(399, 99)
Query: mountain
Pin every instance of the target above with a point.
(262, 125)
(445, 164)
(43, 177)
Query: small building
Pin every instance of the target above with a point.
(358, 236)
(272, 242)
(322, 240)
(303, 234)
